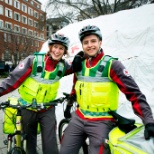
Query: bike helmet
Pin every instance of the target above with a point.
(87, 30)
(59, 38)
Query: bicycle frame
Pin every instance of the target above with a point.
(18, 133)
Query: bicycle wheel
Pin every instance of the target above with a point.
(24, 142)
(62, 126)
(17, 150)
(8, 142)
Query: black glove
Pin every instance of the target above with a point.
(149, 131)
(77, 61)
(70, 101)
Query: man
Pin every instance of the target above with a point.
(96, 88)
(37, 77)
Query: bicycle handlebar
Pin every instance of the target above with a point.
(34, 104)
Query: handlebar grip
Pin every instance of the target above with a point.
(7, 103)
(3, 105)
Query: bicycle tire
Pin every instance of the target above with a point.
(62, 123)
(17, 150)
(24, 145)
(62, 126)
(9, 146)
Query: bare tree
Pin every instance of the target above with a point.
(71, 9)
(15, 46)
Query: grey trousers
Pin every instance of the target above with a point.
(47, 122)
(78, 129)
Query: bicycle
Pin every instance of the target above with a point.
(16, 141)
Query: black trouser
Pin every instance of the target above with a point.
(47, 122)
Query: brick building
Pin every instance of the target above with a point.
(22, 29)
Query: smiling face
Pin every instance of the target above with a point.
(56, 51)
(91, 45)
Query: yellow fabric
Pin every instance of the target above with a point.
(97, 96)
(9, 118)
(118, 146)
(42, 92)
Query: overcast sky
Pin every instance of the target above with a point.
(43, 3)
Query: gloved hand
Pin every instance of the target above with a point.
(149, 131)
(77, 61)
(70, 101)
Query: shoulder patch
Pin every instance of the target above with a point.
(126, 73)
(21, 65)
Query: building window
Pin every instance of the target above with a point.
(17, 4)
(30, 22)
(30, 32)
(9, 38)
(35, 34)
(16, 28)
(36, 14)
(1, 23)
(18, 40)
(42, 35)
(7, 55)
(24, 19)
(38, 6)
(32, 2)
(35, 24)
(36, 44)
(30, 11)
(8, 25)
(32, 42)
(1, 9)
(24, 31)
(5, 37)
(8, 13)
(16, 16)
(8, 2)
(24, 8)
(41, 17)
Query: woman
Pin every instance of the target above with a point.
(38, 78)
